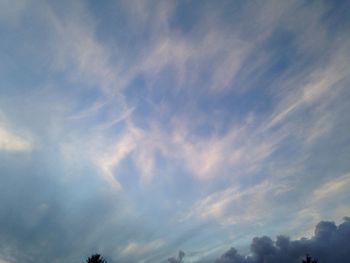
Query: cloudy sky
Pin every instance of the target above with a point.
(138, 128)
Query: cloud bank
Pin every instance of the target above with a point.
(330, 243)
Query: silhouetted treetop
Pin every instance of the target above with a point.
(96, 259)
(309, 259)
(179, 259)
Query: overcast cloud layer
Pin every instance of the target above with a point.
(137, 129)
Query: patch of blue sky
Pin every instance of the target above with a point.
(186, 17)
(130, 37)
(336, 17)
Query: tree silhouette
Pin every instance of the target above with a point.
(96, 259)
(179, 259)
(309, 259)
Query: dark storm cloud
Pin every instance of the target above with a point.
(330, 243)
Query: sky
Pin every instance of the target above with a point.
(137, 129)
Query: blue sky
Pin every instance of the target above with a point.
(138, 128)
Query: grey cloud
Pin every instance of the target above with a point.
(329, 244)
(232, 255)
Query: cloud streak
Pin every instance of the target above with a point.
(10, 141)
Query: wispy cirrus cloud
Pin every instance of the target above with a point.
(138, 114)
(240, 206)
(139, 249)
(13, 139)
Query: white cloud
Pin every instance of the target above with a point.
(75, 50)
(10, 141)
(240, 149)
(93, 109)
(112, 157)
(202, 156)
(333, 188)
(322, 203)
(305, 90)
(235, 205)
(319, 84)
(189, 57)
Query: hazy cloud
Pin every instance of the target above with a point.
(10, 141)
